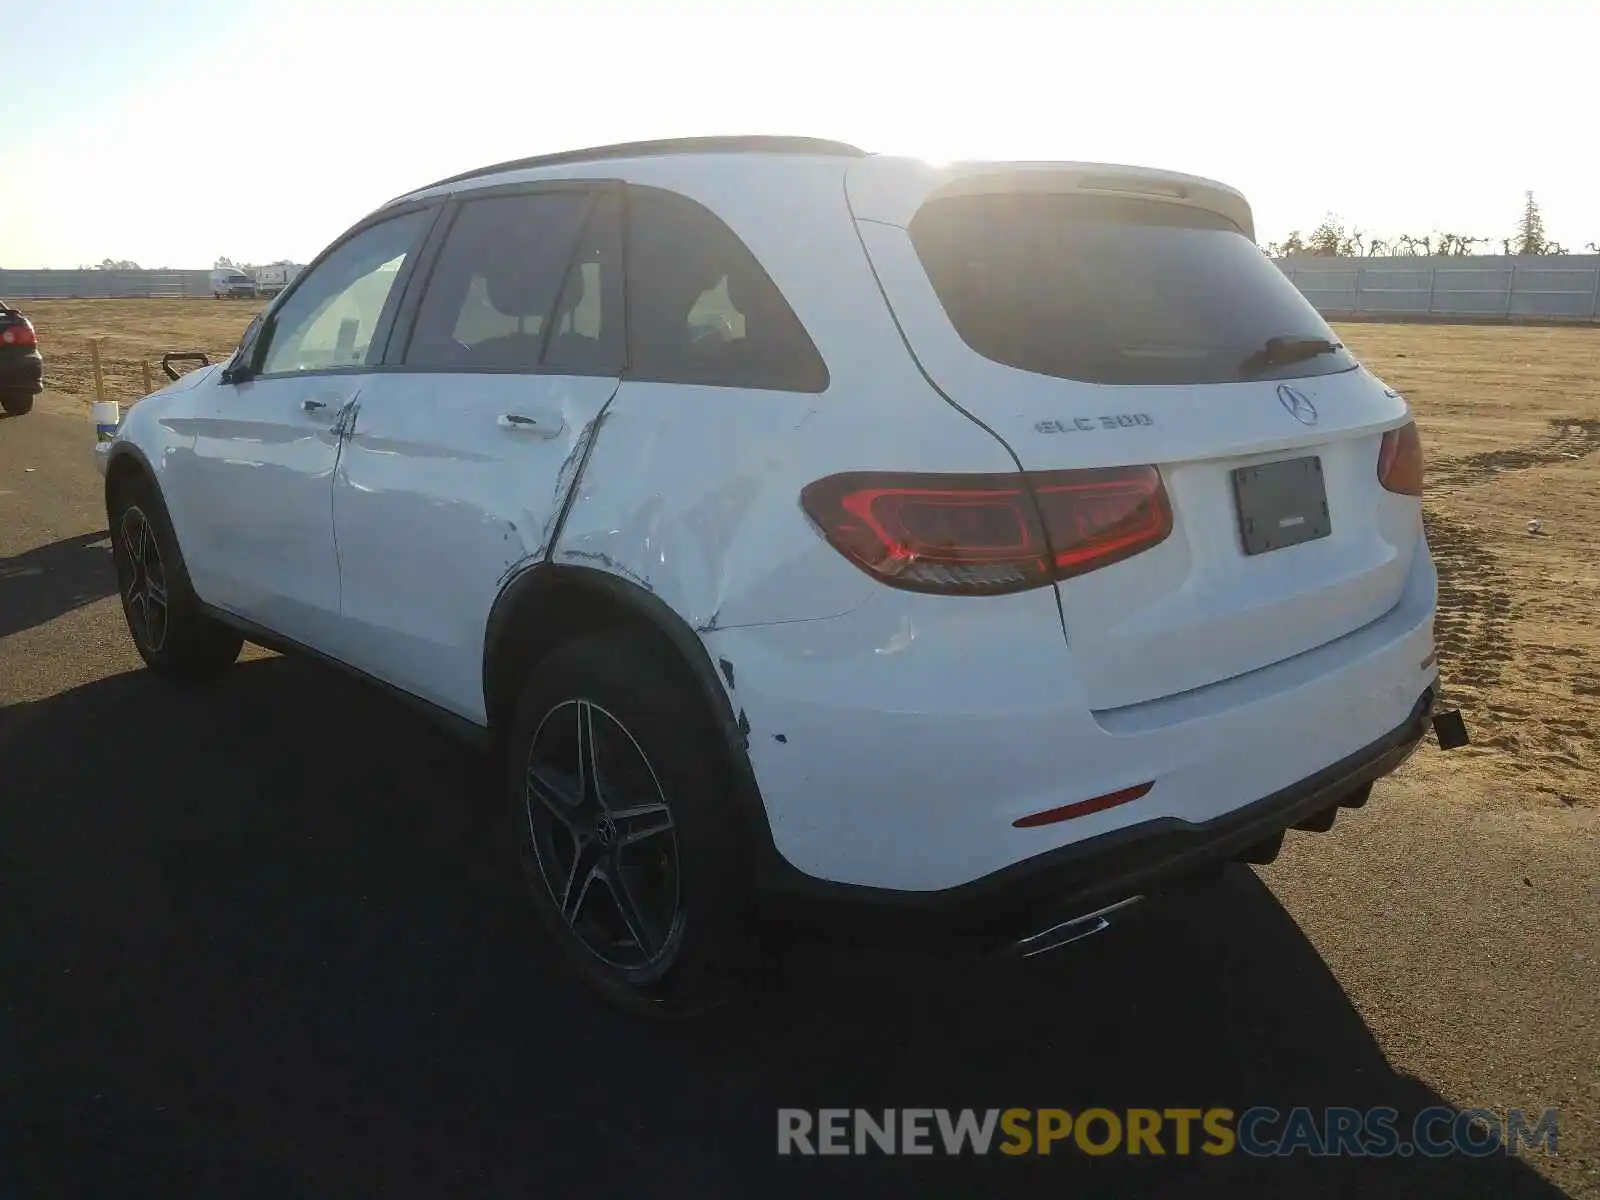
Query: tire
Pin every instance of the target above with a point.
(670, 852)
(16, 404)
(171, 633)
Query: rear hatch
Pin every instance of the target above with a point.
(1106, 317)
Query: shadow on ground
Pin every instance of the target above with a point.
(40, 585)
(260, 938)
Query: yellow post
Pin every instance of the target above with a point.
(99, 378)
(144, 364)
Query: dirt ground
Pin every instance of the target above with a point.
(1510, 418)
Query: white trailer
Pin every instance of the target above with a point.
(230, 281)
(270, 280)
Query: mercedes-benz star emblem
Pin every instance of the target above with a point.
(1297, 405)
(605, 831)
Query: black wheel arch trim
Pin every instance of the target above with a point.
(122, 450)
(730, 724)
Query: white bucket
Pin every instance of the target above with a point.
(107, 417)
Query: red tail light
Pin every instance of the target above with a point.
(18, 335)
(1400, 460)
(989, 534)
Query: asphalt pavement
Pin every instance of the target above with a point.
(264, 938)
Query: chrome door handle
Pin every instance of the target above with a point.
(544, 427)
(313, 405)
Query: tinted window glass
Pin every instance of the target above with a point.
(496, 281)
(330, 319)
(1114, 291)
(586, 326)
(701, 309)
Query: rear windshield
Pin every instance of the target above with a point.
(1112, 290)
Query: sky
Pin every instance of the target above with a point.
(175, 131)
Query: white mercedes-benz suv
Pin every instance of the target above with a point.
(972, 549)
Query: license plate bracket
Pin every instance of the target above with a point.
(1281, 504)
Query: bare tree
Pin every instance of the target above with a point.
(1456, 244)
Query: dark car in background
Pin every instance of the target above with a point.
(21, 367)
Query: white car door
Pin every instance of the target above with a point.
(452, 475)
(257, 480)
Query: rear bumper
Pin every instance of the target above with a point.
(897, 748)
(22, 373)
(1096, 874)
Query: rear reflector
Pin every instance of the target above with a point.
(989, 534)
(1400, 460)
(1082, 808)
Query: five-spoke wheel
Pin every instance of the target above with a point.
(171, 629)
(143, 579)
(602, 836)
(626, 827)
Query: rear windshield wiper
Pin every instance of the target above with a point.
(1286, 351)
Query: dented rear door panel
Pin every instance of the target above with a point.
(437, 502)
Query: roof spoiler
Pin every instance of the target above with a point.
(891, 191)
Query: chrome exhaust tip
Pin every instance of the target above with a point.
(1071, 931)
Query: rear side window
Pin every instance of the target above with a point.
(1111, 290)
(500, 287)
(702, 310)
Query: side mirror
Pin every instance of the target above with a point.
(241, 367)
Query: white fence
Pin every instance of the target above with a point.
(106, 285)
(1471, 287)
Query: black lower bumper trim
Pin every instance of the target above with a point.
(1142, 859)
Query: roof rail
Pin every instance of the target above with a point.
(756, 143)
